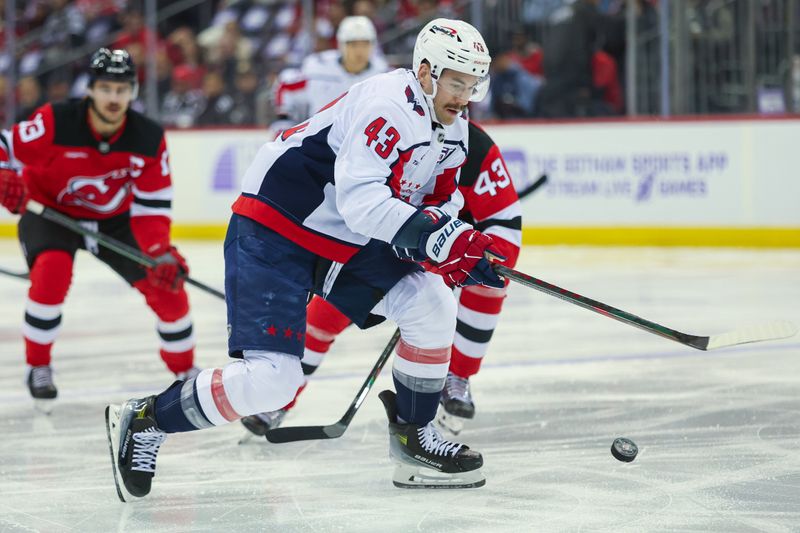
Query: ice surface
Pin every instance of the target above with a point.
(718, 432)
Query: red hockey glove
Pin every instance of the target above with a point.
(467, 260)
(170, 269)
(13, 193)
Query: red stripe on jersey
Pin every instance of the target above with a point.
(444, 188)
(426, 356)
(480, 299)
(273, 219)
(221, 400)
(288, 87)
(397, 171)
(332, 102)
(464, 366)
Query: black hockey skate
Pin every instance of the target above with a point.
(425, 459)
(133, 440)
(456, 404)
(257, 425)
(42, 388)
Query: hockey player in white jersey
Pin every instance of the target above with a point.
(328, 74)
(345, 205)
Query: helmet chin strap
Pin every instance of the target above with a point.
(429, 99)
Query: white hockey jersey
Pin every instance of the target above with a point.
(321, 78)
(357, 170)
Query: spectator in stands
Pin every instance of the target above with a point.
(101, 18)
(58, 84)
(133, 28)
(3, 85)
(163, 72)
(29, 97)
(713, 44)
(183, 49)
(574, 34)
(64, 28)
(244, 98)
(218, 104)
(183, 103)
(228, 52)
(514, 89)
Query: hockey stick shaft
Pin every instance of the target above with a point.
(770, 331)
(598, 307)
(111, 243)
(20, 275)
(337, 429)
(533, 187)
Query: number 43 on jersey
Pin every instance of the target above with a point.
(491, 181)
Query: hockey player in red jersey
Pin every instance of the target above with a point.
(347, 205)
(492, 206)
(99, 162)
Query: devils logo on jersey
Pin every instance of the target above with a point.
(103, 194)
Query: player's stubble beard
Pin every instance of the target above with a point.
(103, 118)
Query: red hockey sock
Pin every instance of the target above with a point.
(50, 277)
(323, 324)
(463, 366)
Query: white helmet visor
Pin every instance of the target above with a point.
(454, 87)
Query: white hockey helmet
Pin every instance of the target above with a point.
(456, 45)
(355, 29)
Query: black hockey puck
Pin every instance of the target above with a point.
(624, 450)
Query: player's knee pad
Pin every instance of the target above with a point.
(50, 277)
(262, 381)
(424, 308)
(168, 306)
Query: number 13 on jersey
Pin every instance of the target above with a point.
(491, 181)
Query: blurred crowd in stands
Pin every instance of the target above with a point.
(217, 61)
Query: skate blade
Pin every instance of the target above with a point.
(419, 477)
(247, 437)
(44, 405)
(112, 432)
(450, 423)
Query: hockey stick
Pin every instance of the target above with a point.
(20, 275)
(778, 329)
(530, 189)
(112, 244)
(337, 429)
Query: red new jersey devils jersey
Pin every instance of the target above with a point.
(69, 167)
(491, 203)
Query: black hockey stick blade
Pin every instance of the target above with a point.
(111, 243)
(530, 189)
(778, 329)
(337, 429)
(20, 275)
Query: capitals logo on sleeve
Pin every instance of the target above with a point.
(414, 102)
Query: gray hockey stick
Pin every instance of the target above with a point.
(777, 329)
(112, 244)
(20, 275)
(337, 429)
(530, 189)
